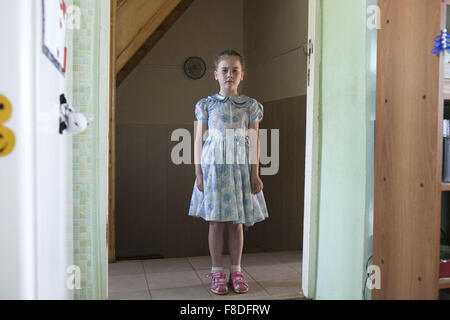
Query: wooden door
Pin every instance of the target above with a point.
(407, 177)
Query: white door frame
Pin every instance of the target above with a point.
(312, 174)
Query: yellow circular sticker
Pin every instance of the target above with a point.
(7, 141)
(5, 109)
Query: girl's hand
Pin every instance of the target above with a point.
(256, 184)
(199, 181)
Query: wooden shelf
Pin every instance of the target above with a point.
(445, 186)
(444, 283)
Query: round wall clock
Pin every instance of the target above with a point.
(194, 67)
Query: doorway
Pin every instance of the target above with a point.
(152, 194)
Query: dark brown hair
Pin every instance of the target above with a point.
(230, 53)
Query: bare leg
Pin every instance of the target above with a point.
(235, 242)
(215, 240)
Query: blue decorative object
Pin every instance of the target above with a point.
(441, 42)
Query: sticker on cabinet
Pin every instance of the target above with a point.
(7, 138)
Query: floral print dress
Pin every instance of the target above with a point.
(225, 162)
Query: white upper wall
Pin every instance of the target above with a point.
(274, 34)
(157, 91)
(269, 33)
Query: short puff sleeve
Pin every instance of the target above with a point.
(201, 110)
(256, 112)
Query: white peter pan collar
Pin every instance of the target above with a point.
(239, 100)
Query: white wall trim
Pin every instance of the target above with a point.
(311, 196)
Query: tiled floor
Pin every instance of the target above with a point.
(273, 275)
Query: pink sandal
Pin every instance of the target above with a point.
(218, 282)
(238, 282)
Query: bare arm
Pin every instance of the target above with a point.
(256, 182)
(255, 166)
(200, 129)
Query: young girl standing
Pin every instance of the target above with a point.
(227, 193)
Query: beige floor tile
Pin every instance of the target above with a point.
(175, 279)
(288, 256)
(296, 266)
(167, 265)
(204, 262)
(283, 288)
(186, 293)
(127, 283)
(138, 295)
(125, 268)
(272, 272)
(258, 259)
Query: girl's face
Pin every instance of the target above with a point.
(229, 74)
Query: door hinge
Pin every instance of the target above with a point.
(310, 53)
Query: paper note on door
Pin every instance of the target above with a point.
(54, 15)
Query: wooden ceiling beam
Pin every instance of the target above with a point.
(129, 62)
